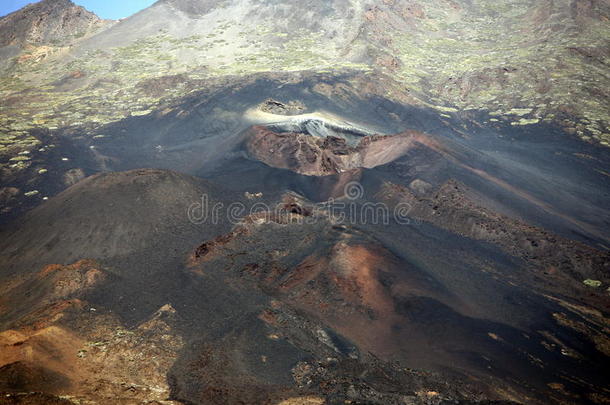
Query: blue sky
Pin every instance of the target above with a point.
(113, 9)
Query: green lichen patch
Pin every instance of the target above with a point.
(592, 283)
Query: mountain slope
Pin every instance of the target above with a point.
(515, 62)
(290, 302)
(49, 22)
(277, 202)
(523, 62)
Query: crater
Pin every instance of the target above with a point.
(318, 143)
(322, 129)
(309, 148)
(277, 107)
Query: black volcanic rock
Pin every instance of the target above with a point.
(449, 207)
(338, 292)
(49, 21)
(286, 303)
(403, 219)
(111, 215)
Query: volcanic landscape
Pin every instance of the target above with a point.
(319, 202)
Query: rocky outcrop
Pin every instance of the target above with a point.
(354, 306)
(53, 340)
(277, 107)
(339, 296)
(451, 208)
(314, 155)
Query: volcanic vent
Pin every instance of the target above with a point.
(322, 128)
(316, 146)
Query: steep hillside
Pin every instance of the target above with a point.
(49, 22)
(383, 202)
(135, 211)
(520, 61)
(293, 303)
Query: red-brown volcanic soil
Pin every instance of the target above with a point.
(316, 156)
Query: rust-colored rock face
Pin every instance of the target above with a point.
(385, 305)
(312, 155)
(306, 202)
(59, 343)
(358, 288)
(291, 302)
